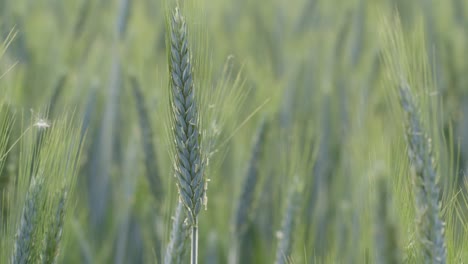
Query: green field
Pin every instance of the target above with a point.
(248, 131)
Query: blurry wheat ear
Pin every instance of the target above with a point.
(180, 231)
(147, 136)
(246, 199)
(386, 241)
(54, 235)
(188, 160)
(24, 243)
(430, 224)
(285, 235)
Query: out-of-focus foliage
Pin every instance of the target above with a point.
(312, 71)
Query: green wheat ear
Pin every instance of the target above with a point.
(386, 239)
(245, 204)
(430, 224)
(188, 161)
(54, 235)
(285, 236)
(179, 234)
(407, 62)
(24, 244)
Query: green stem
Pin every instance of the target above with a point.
(194, 248)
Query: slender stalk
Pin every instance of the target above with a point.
(194, 250)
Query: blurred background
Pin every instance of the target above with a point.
(311, 105)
